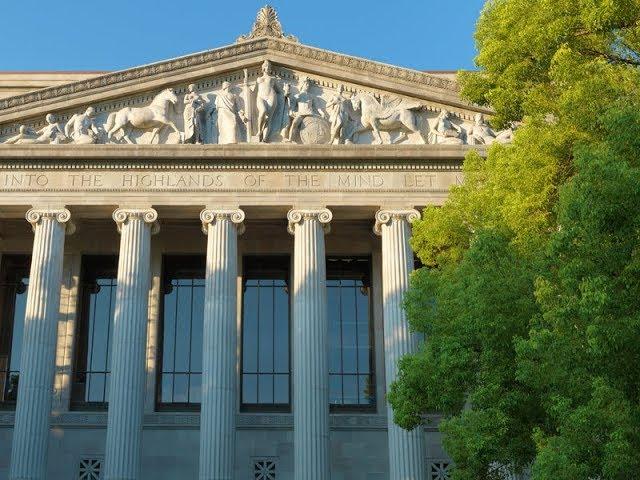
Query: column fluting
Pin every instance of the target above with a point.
(127, 383)
(37, 361)
(218, 408)
(310, 352)
(407, 456)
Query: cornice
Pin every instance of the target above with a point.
(244, 421)
(262, 153)
(220, 60)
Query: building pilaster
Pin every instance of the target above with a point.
(219, 360)
(406, 448)
(126, 390)
(37, 362)
(310, 345)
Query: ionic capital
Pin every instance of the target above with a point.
(297, 215)
(384, 216)
(148, 215)
(211, 215)
(35, 215)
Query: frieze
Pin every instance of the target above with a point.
(228, 181)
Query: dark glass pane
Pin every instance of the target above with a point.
(265, 326)
(183, 328)
(250, 330)
(350, 341)
(183, 322)
(181, 388)
(335, 389)
(350, 388)
(265, 332)
(18, 326)
(196, 329)
(281, 309)
(281, 389)
(265, 389)
(367, 390)
(167, 388)
(249, 388)
(195, 388)
(169, 328)
(95, 387)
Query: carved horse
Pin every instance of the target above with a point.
(155, 116)
(379, 117)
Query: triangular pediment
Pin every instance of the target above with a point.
(234, 74)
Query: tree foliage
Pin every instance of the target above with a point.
(530, 298)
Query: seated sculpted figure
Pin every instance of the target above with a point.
(446, 132)
(81, 127)
(305, 106)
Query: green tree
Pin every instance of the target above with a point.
(530, 296)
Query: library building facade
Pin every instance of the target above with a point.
(202, 263)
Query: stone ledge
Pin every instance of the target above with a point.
(242, 151)
(244, 421)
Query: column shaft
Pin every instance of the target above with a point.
(310, 353)
(126, 390)
(406, 448)
(37, 362)
(218, 409)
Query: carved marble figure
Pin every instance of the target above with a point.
(24, 135)
(227, 107)
(392, 115)
(480, 133)
(194, 106)
(82, 127)
(304, 105)
(51, 133)
(153, 117)
(341, 117)
(446, 131)
(268, 100)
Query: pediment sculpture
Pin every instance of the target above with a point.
(266, 99)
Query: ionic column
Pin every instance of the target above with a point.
(37, 362)
(218, 408)
(310, 331)
(126, 388)
(406, 448)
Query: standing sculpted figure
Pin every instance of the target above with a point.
(52, 132)
(268, 98)
(82, 128)
(340, 117)
(226, 104)
(446, 132)
(305, 106)
(194, 106)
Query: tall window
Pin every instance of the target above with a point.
(14, 283)
(265, 334)
(97, 295)
(351, 378)
(180, 379)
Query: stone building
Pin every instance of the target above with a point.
(132, 346)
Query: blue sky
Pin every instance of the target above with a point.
(116, 34)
